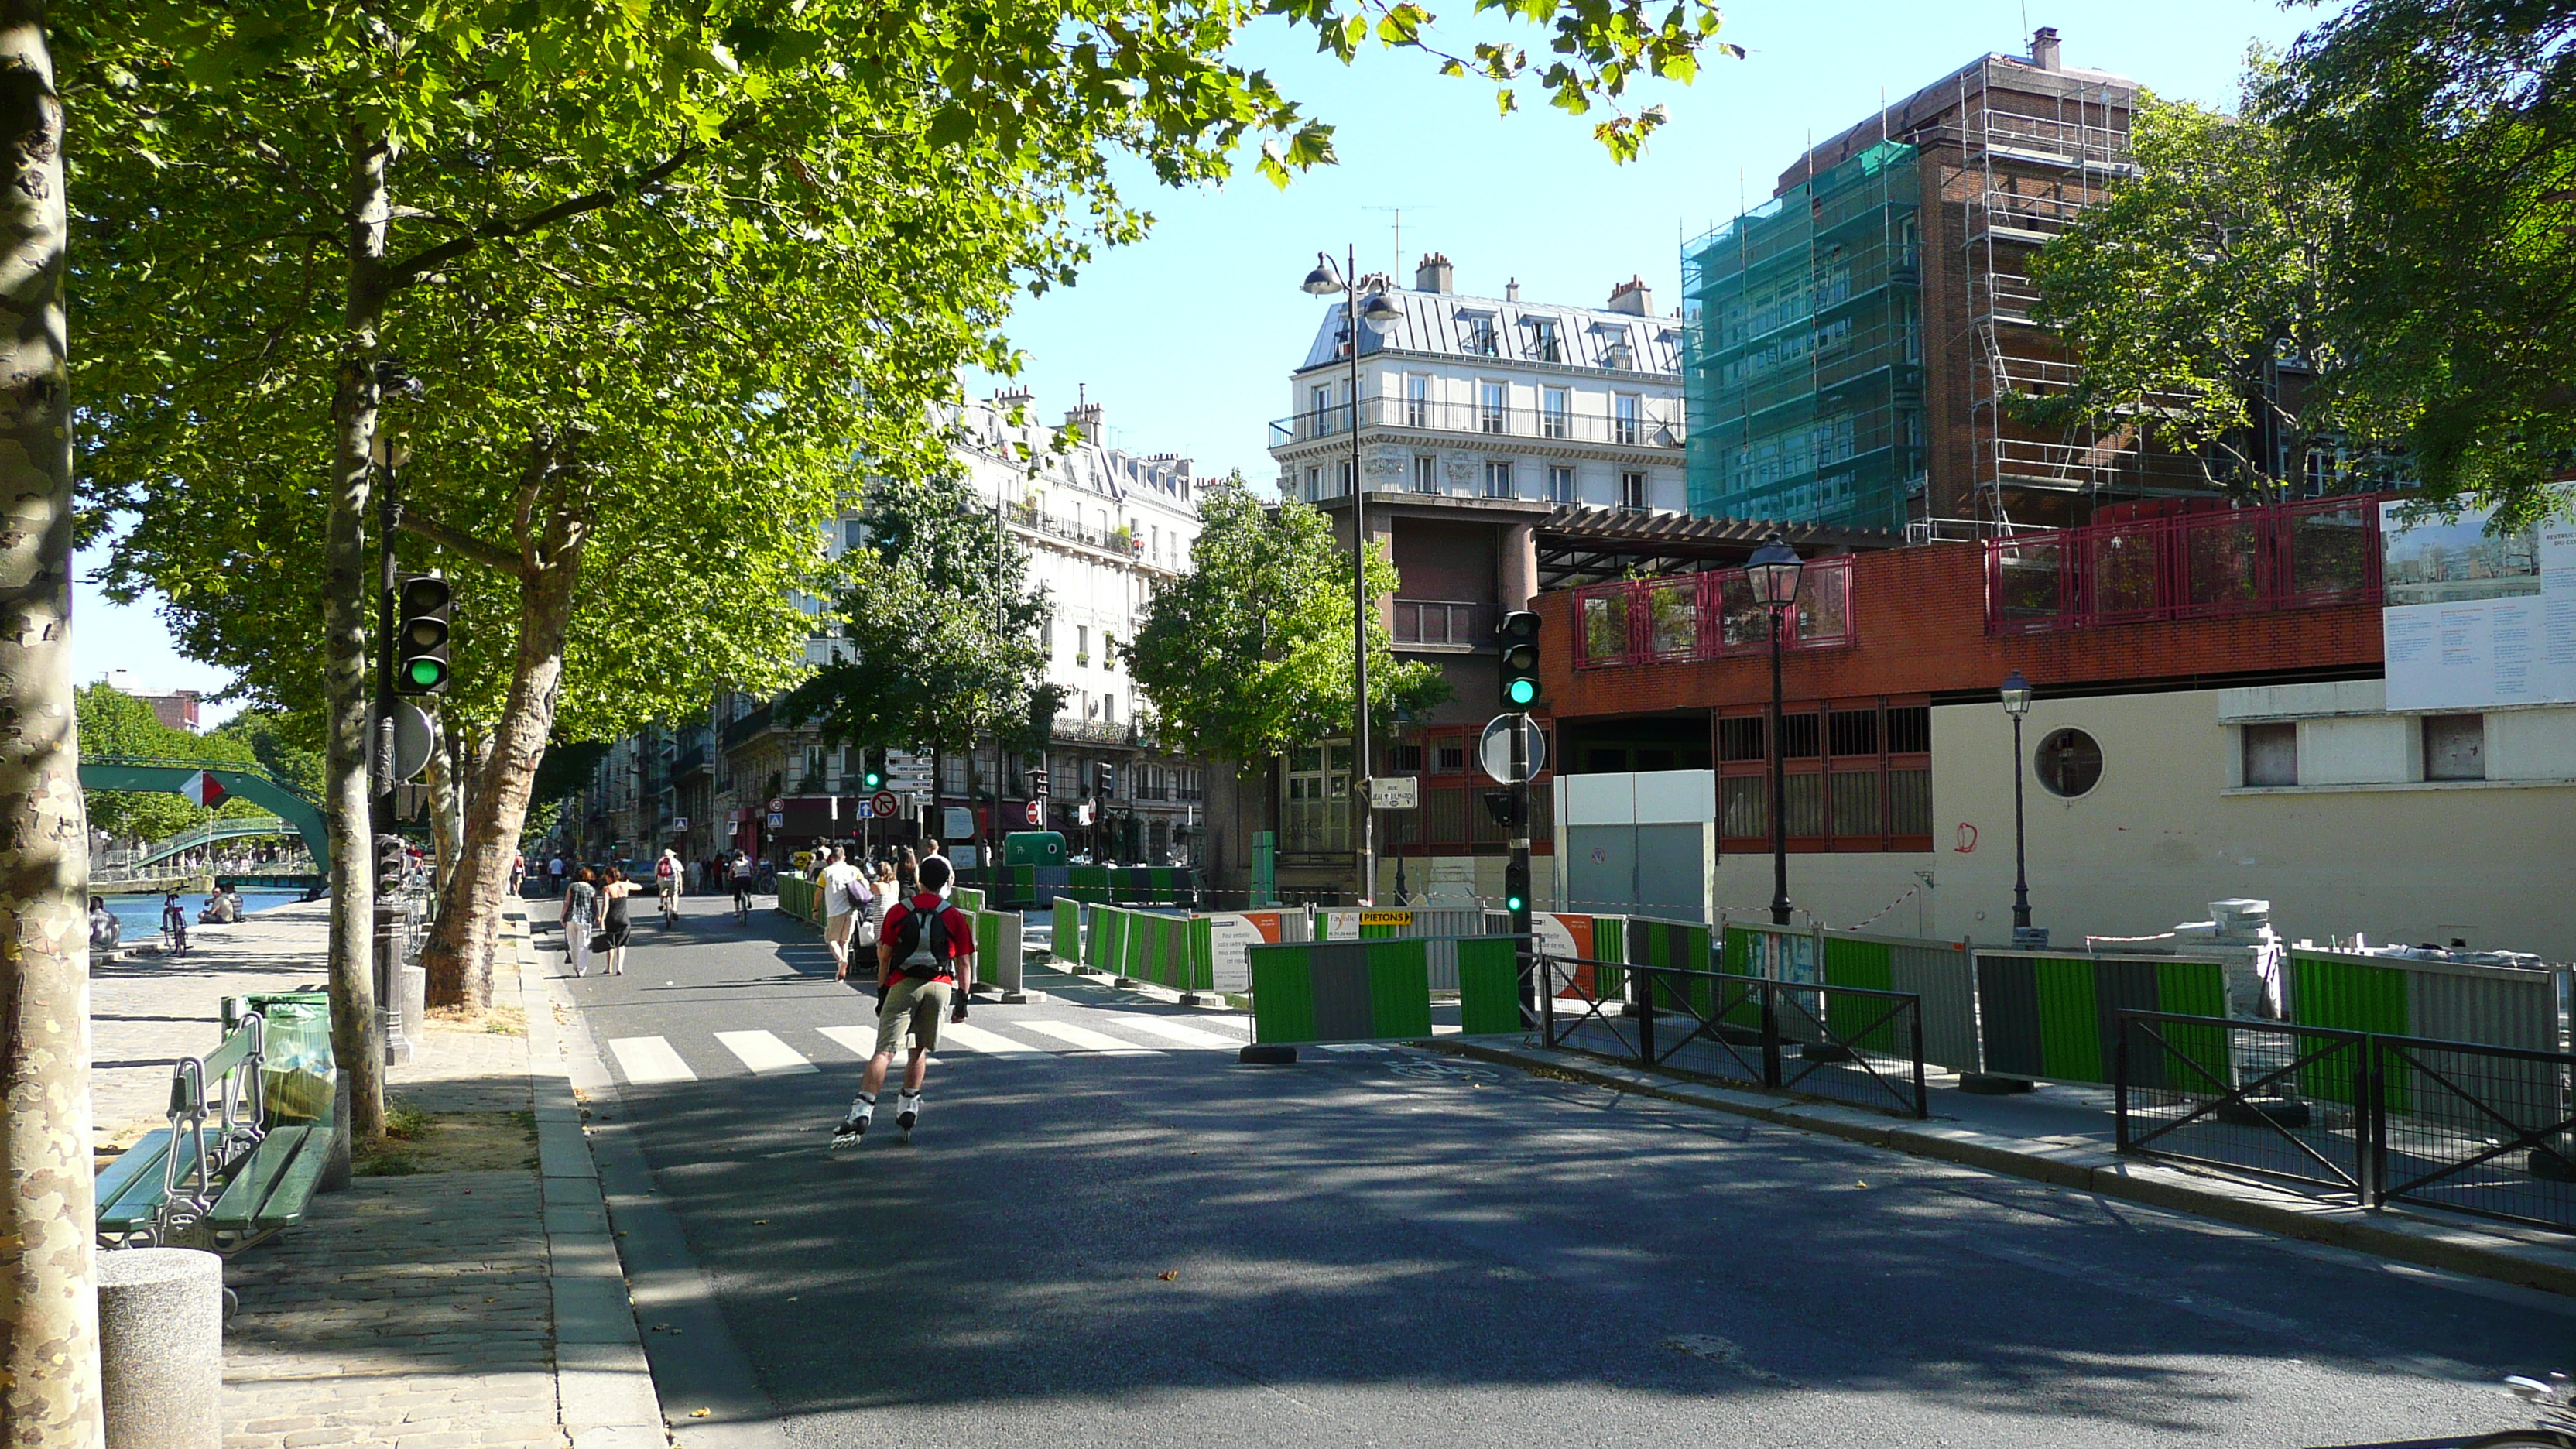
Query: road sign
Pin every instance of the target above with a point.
(777, 821)
(1036, 813)
(680, 823)
(776, 804)
(1495, 751)
(886, 804)
(867, 810)
(1395, 792)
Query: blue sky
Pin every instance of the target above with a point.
(1187, 338)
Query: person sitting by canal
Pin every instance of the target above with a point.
(222, 908)
(106, 933)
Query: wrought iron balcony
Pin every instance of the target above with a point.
(1567, 425)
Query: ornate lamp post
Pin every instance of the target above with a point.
(1773, 571)
(2016, 697)
(1379, 312)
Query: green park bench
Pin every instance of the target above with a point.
(238, 1163)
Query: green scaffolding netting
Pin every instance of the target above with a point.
(1803, 356)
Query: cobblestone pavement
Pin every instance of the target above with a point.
(414, 1312)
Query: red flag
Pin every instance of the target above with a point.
(204, 789)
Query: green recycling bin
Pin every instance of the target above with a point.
(1033, 847)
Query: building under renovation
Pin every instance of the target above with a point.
(1852, 342)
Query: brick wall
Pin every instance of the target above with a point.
(1918, 615)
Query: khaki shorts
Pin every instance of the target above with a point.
(836, 932)
(917, 1005)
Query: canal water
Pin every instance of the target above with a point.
(141, 915)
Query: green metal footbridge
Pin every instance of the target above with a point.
(248, 782)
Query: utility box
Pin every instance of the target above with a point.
(1033, 847)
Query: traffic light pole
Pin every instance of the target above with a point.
(1516, 874)
(380, 782)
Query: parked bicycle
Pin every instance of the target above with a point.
(2556, 1426)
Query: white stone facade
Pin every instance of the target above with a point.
(1480, 397)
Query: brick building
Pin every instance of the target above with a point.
(2220, 729)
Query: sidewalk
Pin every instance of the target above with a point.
(460, 1299)
(2064, 1135)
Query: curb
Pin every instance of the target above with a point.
(603, 1388)
(2532, 1260)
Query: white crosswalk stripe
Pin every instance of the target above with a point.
(1087, 1039)
(976, 1039)
(1169, 1030)
(764, 1053)
(861, 1040)
(649, 1059)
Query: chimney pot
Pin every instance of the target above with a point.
(1432, 274)
(2043, 48)
(1632, 297)
(1512, 290)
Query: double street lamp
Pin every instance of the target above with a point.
(1379, 312)
(1773, 572)
(2016, 697)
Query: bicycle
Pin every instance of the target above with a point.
(2556, 1427)
(742, 899)
(670, 905)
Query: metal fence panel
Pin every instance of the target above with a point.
(2054, 1016)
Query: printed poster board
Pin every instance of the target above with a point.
(2473, 621)
(1229, 932)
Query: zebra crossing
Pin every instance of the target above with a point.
(645, 1060)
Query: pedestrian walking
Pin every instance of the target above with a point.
(925, 950)
(850, 917)
(518, 872)
(580, 918)
(556, 870)
(907, 870)
(886, 889)
(615, 929)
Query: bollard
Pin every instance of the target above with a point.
(161, 1347)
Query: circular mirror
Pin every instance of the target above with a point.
(2069, 763)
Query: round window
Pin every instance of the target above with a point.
(2070, 763)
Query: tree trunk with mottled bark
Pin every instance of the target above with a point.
(49, 1380)
(349, 587)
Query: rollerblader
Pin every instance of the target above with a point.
(925, 949)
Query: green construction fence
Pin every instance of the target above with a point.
(2055, 1016)
(1340, 991)
(1066, 944)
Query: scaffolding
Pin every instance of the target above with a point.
(1803, 359)
(2033, 158)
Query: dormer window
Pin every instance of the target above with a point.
(1547, 344)
(1482, 339)
(1616, 353)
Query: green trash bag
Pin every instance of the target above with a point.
(297, 1072)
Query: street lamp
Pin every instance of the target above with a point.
(1380, 312)
(1773, 572)
(2016, 696)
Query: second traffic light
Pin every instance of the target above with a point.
(1519, 635)
(420, 634)
(1105, 776)
(873, 774)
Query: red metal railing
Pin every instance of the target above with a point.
(2310, 554)
(1706, 616)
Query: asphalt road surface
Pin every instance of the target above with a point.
(1108, 1232)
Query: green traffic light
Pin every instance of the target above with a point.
(1513, 903)
(426, 673)
(874, 779)
(1521, 691)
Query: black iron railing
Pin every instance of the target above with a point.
(1848, 1043)
(2466, 1126)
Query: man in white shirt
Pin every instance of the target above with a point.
(840, 912)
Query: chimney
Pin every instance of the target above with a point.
(1632, 298)
(2043, 48)
(1512, 290)
(1087, 418)
(1007, 398)
(1432, 274)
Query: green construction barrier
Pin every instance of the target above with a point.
(1489, 985)
(966, 898)
(1334, 991)
(799, 897)
(1068, 930)
(1088, 884)
(2056, 1017)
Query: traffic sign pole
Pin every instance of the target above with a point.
(1516, 874)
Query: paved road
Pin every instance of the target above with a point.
(1153, 1246)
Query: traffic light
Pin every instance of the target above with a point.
(1519, 635)
(1516, 894)
(420, 635)
(1506, 806)
(872, 774)
(1105, 776)
(1037, 784)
